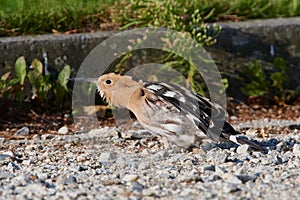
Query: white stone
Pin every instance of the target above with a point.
(148, 192)
(231, 178)
(242, 149)
(107, 156)
(296, 149)
(81, 158)
(26, 162)
(23, 131)
(130, 177)
(63, 130)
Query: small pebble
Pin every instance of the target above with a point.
(296, 149)
(245, 177)
(81, 158)
(26, 162)
(2, 139)
(107, 156)
(231, 178)
(144, 165)
(67, 146)
(242, 149)
(5, 175)
(36, 137)
(6, 155)
(137, 186)
(42, 176)
(23, 131)
(148, 192)
(266, 161)
(233, 118)
(145, 152)
(63, 130)
(47, 137)
(210, 167)
(130, 177)
(31, 147)
(66, 115)
(220, 171)
(229, 188)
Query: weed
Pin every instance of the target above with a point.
(181, 16)
(272, 87)
(13, 88)
(34, 80)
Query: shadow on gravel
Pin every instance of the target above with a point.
(268, 145)
(294, 126)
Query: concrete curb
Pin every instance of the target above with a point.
(61, 48)
(257, 39)
(262, 39)
(242, 42)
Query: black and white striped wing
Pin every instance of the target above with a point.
(196, 108)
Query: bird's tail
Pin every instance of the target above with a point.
(229, 133)
(239, 139)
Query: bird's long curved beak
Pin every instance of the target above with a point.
(90, 80)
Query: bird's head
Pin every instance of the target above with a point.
(107, 84)
(116, 89)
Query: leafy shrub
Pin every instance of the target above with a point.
(183, 16)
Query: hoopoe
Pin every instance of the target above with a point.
(169, 110)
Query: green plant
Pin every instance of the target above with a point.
(257, 80)
(34, 81)
(259, 84)
(60, 87)
(40, 84)
(181, 16)
(14, 87)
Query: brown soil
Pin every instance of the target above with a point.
(254, 109)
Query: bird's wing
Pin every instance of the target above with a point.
(185, 101)
(199, 109)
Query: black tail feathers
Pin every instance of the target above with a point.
(244, 140)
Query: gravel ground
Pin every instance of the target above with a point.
(100, 165)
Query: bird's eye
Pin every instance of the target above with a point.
(108, 81)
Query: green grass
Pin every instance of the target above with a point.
(19, 17)
(250, 9)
